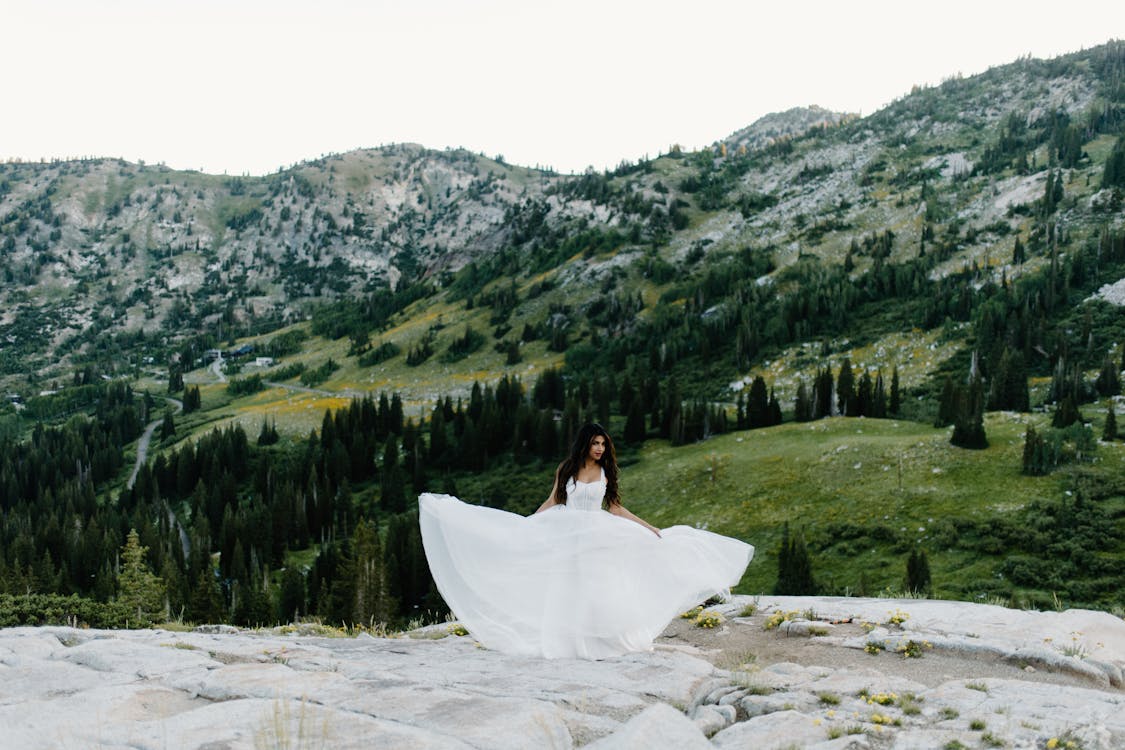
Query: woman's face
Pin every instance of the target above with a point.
(597, 448)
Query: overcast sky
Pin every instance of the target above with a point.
(252, 86)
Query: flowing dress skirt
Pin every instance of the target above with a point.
(569, 583)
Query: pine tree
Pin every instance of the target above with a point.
(371, 602)
(268, 434)
(757, 404)
(1019, 253)
(865, 396)
(822, 394)
(802, 406)
(774, 411)
(918, 573)
(1066, 413)
(845, 390)
(783, 552)
(1108, 382)
(1113, 175)
(879, 397)
(895, 405)
(175, 379)
(168, 426)
(206, 602)
(439, 440)
(794, 567)
(291, 602)
(1008, 389)
(1109, 432)
(1033, 450)
(139, 590)
(968, 419)
(192, 399)
(393, 498)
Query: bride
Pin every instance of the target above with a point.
(582, 577)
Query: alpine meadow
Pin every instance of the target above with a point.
(886, 350)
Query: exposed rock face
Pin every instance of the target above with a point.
(777, 125)
(1035, 676)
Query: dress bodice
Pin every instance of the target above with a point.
(586, 495)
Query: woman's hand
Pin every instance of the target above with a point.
(620, 510)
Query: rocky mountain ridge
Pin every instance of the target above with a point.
(103, 248)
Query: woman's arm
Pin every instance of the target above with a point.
(620, 510)
(550, 501)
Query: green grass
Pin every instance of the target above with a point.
(841, 471)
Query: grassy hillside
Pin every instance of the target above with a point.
(900, 481)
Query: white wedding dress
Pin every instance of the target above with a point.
(573, 581)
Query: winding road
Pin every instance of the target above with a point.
(146, 438)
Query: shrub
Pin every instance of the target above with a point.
(55, 609)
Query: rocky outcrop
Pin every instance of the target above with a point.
(981, 674)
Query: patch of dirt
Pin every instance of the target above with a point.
(742, 642)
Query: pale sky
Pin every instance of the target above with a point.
(252, 86)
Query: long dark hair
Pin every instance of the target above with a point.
(579, 450)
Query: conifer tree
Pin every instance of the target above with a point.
(794, 567)
(168, 426)
(968, 415)
(139, 590)
(268, 434)
(1019, 253)
(393, 498)
(918, 573)
(895, 405)
(1066, 413)
(1108, 382)
(371, 602)
(1034, 448)
(395, 416)
(1109, 432)
(206, 602)
(845, 390)
(1008, 389)
(802, 406)
(865, 396)
(773, 413)
(879, 397)
(822, 394)
(1113, 175)
(439, 438)
(757, 404)
(291, 602)
(192, 399)
(175, 379)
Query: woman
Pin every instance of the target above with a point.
(572, 580)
